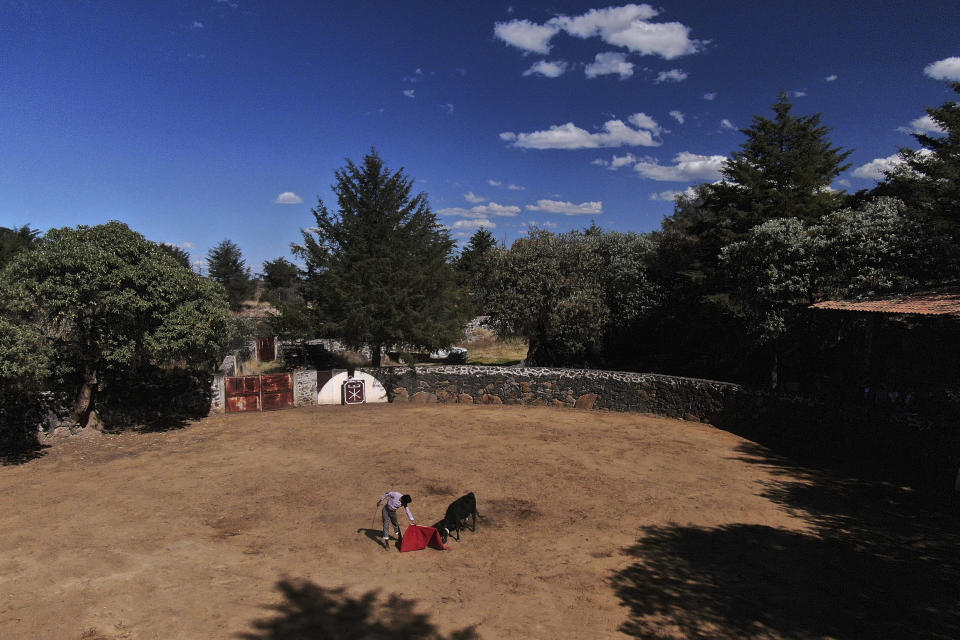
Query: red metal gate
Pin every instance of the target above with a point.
(243, 393)
(276, 391)
(266, 349)
(259, 393)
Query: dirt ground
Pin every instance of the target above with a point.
(264, 526)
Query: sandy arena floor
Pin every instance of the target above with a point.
(262, 526)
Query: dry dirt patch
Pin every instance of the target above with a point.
(240, 525)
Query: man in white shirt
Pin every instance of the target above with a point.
(394, 500)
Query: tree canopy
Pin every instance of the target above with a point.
(378, 270)
(108, 300)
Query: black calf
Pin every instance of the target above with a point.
(455, 519)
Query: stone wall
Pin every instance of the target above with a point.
(304, 387)
(581, 388)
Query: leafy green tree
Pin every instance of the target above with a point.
(281, 279)
(378, 271)
(226, 266)
(876, 249)
(474, 267)
(772, 274)
(108, 301)
(783, 170)
(575, 296)
(549, 291)
(13, 241)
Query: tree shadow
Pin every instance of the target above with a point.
(12, 458)
(312, 612)
(878, 561)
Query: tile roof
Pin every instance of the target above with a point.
(943, 303)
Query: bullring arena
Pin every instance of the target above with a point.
(595, 525)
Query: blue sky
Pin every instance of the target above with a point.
(199, 120)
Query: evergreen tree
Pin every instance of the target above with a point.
(474, 268)
(378, 271)
(226, 265)
(929, 180)
(178, 254)
(783, 170)
(13, 241)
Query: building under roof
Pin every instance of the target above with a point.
(942, 303)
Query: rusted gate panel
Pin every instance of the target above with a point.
(266, 349)
(243, 393)
(276, 391)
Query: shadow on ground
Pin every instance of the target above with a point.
(312, 612)
(878, 561)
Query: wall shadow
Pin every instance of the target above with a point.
(878, 561)
(312, 612)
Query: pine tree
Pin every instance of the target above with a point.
(474, 268)
(378, 271)
(226, 265)
(929, 180)
(783, 170)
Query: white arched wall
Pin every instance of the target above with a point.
(330, 392)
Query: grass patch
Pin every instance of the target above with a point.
(495, 352)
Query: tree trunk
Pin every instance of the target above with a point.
(774, 369)
(85, 398)
(376, 353)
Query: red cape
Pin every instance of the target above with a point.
(417, 537)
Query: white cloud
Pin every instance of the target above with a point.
(188, 245)
(547, 69)
(726, 124)
(627, 27)
(946, 69)
(624, 26)
(470, 196)
(448, 107)
(483, 210)
(196, 25)
(533, 224)
(616, 161)
(605, 22)
(515, 187)
(677, 115)
(831, 77)
(609, 63)
(688, 167)
(526, 35)
(877, 168)
(567, 208)
(410, 93)
(923, 124)
(710, 96)
(615, 133)
(798, 94)
(229, 3)
(494, 183)
(674, 75)
(476, 223)
(670, 195)
(288, 197)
